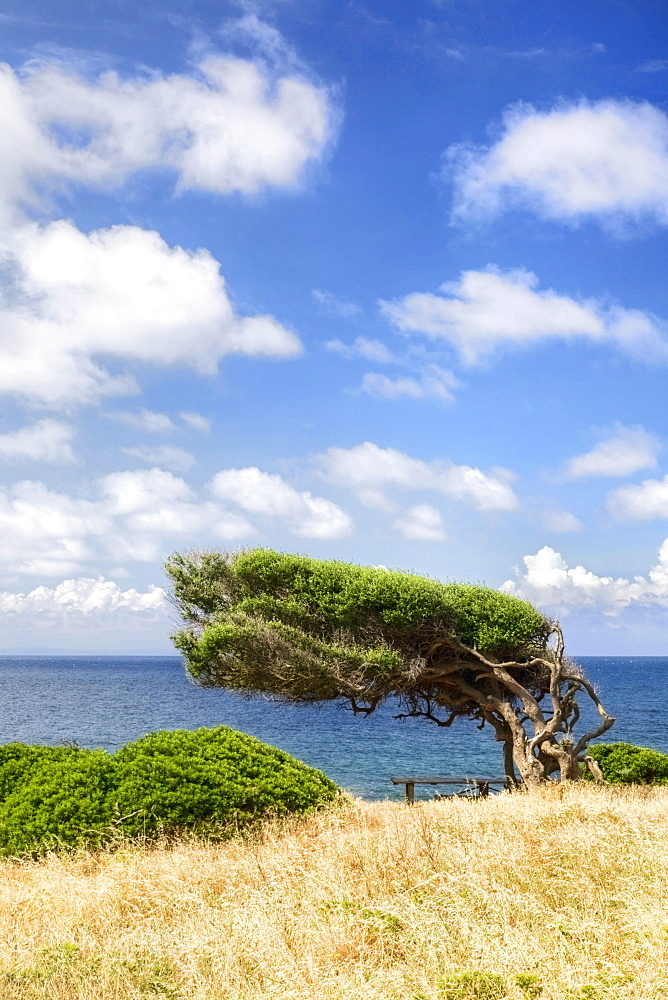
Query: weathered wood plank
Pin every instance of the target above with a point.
(447, 781)
(481, 784)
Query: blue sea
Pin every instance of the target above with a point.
(105, 701)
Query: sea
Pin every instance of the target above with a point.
(106, 701)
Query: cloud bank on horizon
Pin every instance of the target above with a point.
(236, 309)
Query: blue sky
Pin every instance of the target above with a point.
(381, 282)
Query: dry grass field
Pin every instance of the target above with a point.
(556, 894)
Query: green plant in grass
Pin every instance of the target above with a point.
(472, 984)
(208, 781)
(626, 764)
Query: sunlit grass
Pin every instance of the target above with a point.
(556, 894)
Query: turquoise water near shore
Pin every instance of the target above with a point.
(104, 701)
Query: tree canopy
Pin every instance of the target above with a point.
(314, 630)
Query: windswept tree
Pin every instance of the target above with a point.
(308, 630)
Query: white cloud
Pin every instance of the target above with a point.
(91, 611)
(44, 441)
(269, 495)
(144, 420)
(421, 523)
(427, 380)
(263, 37)
(645, 502)
(560, 521)
(86, 597)
(435, 383)
(486, 311)
(139, 515)
(119, 293)
(335, 306)
(362, 347)
(607, 158)
(230, 125)
(626, 451)
(549, 583)
(143, 514)
(166, 456)
(196, 422)
(152, 508)
(45, 533)
(368, 470)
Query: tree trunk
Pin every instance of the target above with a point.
(531, 770)
(509, 763)
(569, 769)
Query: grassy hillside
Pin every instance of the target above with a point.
(557, 894)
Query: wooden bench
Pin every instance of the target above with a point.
(481, 784)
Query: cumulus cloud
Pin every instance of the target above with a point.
(550, 583)
(196, 422)
(607, 159)
(435, 383)
(44, 441)
(422, 523)
(230, 125)
(626, 451)
(94, 608)
(268, 495)
(137, 515)
(487, 311)
(646, 501)
(369, 470)
(166, 456)
(70, 298)
(83, 597)
(142, 515)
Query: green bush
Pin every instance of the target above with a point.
(210, 781)
(62, 798)
(191, 780)
(626, 764)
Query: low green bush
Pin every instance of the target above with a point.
(207, 781)
(626, 764)
(61, 798)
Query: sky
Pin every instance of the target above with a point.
(371, 281)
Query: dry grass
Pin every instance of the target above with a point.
(567, 888)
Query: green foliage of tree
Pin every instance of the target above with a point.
(311, 630)
(626, 764)
(320, 596)
(209, 781)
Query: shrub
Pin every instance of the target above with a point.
(195, 780)
(208, 781)
(54, 797)
(626, 764)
